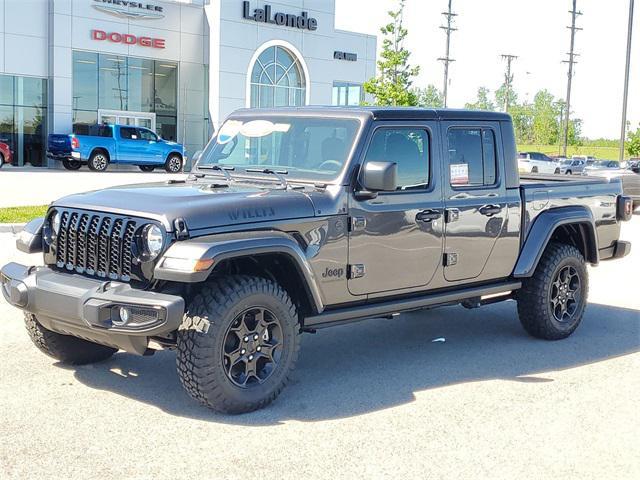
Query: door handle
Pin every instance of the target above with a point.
(490, 210)
(428, 215)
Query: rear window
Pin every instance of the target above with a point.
(472, 157)
(92, 130)
(522, 155)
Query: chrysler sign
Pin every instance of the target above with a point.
(129, 9)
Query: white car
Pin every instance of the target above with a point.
(536, 162)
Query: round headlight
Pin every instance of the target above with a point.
(153, 240)
(55, 222)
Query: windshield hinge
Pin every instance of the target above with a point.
(182, 232)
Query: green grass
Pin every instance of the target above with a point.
(21, 214)
(605, 153)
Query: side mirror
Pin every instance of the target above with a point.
(380, 176)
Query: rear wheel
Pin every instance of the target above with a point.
(534, 170)
(147, 168)
(173, 163)
(71, 164)
(99, 161)
(556, 171)
(551, 303)
(65, 348)
(238, 344)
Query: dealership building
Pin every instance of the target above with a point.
(177, 67)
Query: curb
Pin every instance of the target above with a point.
(11, 227)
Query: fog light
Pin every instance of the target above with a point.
(123, 313)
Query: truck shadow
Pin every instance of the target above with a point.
(360, 368)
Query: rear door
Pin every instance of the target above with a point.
(395, 239)
(130, 148)
(474, 196)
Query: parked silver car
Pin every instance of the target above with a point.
(611, 169)
(572, 166)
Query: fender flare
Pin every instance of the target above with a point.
(542, 230)
(219, 247)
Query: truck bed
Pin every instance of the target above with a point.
(542, 192)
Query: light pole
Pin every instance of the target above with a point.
(623, 127)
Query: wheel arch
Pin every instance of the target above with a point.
(272, 254)
(100, 149)
(570, 225)
(173, 152)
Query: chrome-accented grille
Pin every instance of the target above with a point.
(96, 244)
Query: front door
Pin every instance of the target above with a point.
(474, 196)
(396, 239)
(130, 146)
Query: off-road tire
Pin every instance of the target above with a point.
(67, 349)
(98, 161)
(534, 308)
(201, 337)
(71, 164)
(147, 168)
(174, 163)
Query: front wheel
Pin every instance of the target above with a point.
(173, 163)
(534, 170)
(67, 349)
(556, 171)
(71, 164)
(238, 343)
(551, 303)
(1, 160)
(568, 172)
(98, 162)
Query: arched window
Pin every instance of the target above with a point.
(277, 79)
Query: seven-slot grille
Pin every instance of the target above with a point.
(95, 244)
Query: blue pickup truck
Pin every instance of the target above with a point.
(124, 144)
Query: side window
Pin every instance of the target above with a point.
(128, 133)
(408, 148)
(147, 135)
(472, 157)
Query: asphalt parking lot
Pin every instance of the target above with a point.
(376, 399)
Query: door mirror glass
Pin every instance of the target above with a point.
(380, 176)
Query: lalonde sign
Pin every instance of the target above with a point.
(263, 15)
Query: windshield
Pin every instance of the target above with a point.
(310, 148)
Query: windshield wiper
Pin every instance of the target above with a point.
(219, 168)
(279, 174)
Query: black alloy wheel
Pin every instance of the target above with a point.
(565, 295)
(252, 347)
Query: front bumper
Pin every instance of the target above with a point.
(87, 308)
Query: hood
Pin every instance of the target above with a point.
(200, 205)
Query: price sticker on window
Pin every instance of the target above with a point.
(459, 173)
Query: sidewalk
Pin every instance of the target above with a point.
(40, 186)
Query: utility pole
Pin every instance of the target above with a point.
(574, 13)
(446, 59)
(623, 128)
(508, 78)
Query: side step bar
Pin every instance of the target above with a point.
(361, 312)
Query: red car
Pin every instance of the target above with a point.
(5, 154)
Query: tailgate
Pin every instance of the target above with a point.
(59, 144)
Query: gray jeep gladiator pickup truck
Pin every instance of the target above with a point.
(298, 219)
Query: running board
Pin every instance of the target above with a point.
(351, 314)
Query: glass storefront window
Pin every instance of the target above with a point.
(140, 84)
(112, 82)
(344, 94)
(166, 127)
(85, 81)
(166, 82)
(6, 90)
(83, 120)
(23, 115)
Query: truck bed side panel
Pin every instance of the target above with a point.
(598, 195)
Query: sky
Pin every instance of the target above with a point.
(535, 31)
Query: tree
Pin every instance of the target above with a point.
(482, 101)
(429, 97)
(633, 143)
(501, 93)
(546, 118)
(392, 86)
